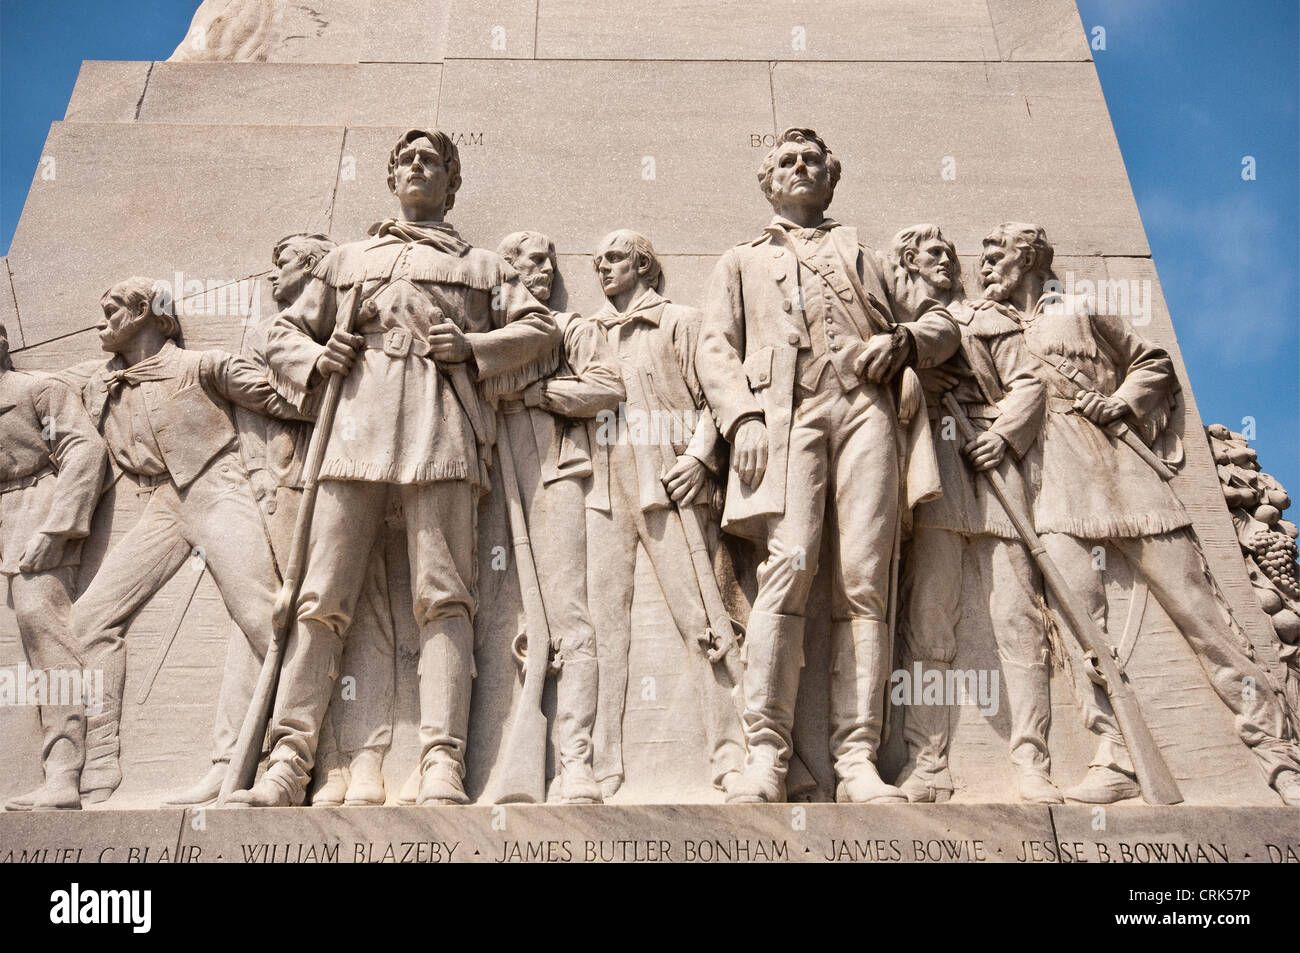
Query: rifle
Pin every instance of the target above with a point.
(248, 747)
(173, 630)
(1158, 784)
(723, 631)
(524, 778)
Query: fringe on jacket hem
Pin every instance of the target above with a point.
(336, 469)
(1117, 527)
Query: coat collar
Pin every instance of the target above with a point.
(438, 235)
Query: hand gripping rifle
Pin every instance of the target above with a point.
(248, 748)
(1158, 784)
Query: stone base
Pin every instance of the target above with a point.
(949, 833)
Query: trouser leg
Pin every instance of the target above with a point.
(931, 589)
(346, 519)
(611, 569)
(864, 495)
(42, 604)
(1075, 559)
(773, 648)
(441, 526)
(1174, 568)
(136, 568)
(226, 525)
(1012, 582)
(664, 539)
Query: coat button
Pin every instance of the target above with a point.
(835, 347)
(792, 337)
(785, 306)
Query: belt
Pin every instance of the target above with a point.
(511, 405)
(1060, 405)
(23, 482)
(397, 343)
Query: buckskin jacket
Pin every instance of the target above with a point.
(402, 416)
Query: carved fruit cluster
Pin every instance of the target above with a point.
(1268, 542)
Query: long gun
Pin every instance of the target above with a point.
(523, 779)
(248, 747)
(1158, 784)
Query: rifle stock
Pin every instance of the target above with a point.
(523, 778)
(1157, 782)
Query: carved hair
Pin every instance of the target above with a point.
(315, 245)
(795, 134)
(5, 363)
(446, 148)
(1021, 236)
(911, 239)
(136, 291)
(644, 257)
(512, 246)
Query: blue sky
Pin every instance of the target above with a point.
(1192, 86)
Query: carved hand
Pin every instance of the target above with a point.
(449, 344)
(878, 358)
(263, 489)
(1098, 408)
(43, 552)
(340, 353)
(986, 451)
(749, 452)
(535, 394)
(685, 480)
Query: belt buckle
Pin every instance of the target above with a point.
(397, 342)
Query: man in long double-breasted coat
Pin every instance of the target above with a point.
(801, 359)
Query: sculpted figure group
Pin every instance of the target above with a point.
(811, 400)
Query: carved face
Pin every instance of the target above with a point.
(934, 264)
(122, 321)
(616, 266)
(800, 176)
(420, 177)
(1001, 270)
(533, 262)
(292, 269)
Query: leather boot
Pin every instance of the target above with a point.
(575, 714)
(276, 788)
(366, 784)
(102, 773)
(307, 679)
(773, 650)
(1287, 786)
(63, 752)
(925, 777)
(446, 674)
(330, 780)
(1111, 776)
(204, 792)
(861, 650)
(1028, 695)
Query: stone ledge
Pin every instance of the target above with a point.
(778, 833)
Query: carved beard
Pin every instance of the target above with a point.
(1004, 283)
(539, 286)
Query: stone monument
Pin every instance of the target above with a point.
(767, 454)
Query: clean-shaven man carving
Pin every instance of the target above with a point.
(801, 357)
(635, 493)
(166, 414)
(51, 467)
(994, 379)
(434, 320)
